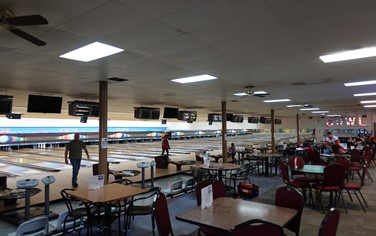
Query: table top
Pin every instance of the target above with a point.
(109, 192)
(338, 155)
(220, 166)
(228, 212)
(312, 169)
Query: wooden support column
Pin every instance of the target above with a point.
(272, 129)
(103, 117)
(224, 132)
(297, 130)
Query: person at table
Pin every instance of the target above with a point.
(165, 145)
(331, 139)
(232, 151)
(350, 143)
(73, 150)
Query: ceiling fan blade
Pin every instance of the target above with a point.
(27, 20)
(26, 36)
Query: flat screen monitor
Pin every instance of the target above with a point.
(253, 120)
(170, 112)
(44, 104)
(263, 120)
(6, 104)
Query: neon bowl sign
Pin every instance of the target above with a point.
(344, 121)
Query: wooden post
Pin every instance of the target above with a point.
(272, 129)
(224, 132)
(297, 130)
(103, 96)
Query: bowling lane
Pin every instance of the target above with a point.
(18, 170)
(33, 164)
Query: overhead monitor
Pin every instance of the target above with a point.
(253, 120)
(6, 104)
(146, 113)
(44, 104)
(170, 113)
(278, 121)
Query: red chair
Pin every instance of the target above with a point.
(219, 190)
(256, 227)
(345, 163)
(291, 198)
(314, 157)
(295, 183)
(333, 180)
(298, 163)
(357, 187)
(329, 224)
(368, 161)
(162, 216)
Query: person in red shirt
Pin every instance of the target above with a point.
(165, 145)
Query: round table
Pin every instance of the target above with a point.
(312, 169)
(219, 167)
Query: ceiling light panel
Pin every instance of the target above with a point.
(367, 102)
(349, 55)
(193, 79)
(297, 105)
(364, 94)
(360, 83)
(240, 94)
(91, 52)
(369, 106)
(277, 100)
(309, 109)
(320, 112)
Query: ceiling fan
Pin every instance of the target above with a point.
(251, 92)
(9, 22)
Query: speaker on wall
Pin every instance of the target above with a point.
(164, 121)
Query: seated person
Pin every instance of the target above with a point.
(232, 151)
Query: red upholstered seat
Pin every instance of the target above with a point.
(256, 227)
(330, 222)
(334, 176)
(219, 190)
(356, 188)
(291, 198)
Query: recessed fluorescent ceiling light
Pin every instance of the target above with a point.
(333, 115)
(366, 102)
(364, 94)
(320, 112)
(360, 83)
(91, 52)
(260, 92)
(294, 105)
(193, 79)
(367, 106)
(278, 100)
(240, 94)
(309, 109)
(349, 55)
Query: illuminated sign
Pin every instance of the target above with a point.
(344, 121)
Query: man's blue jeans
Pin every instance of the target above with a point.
(76, 163)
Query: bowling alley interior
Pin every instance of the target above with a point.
(189, 117)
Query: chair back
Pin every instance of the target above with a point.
(256, 227)
(334, 175)
(314, 157)
(296, 162)
(363, 177)
(355, 155)
(67, 199)
(329, 224)
(284, 172)
(70, 222)
(345, 163)
(291, 198)
(219, 190)
(35, 226)
(367, 150)
(162, 216)
(189, 184)
(368, 157)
